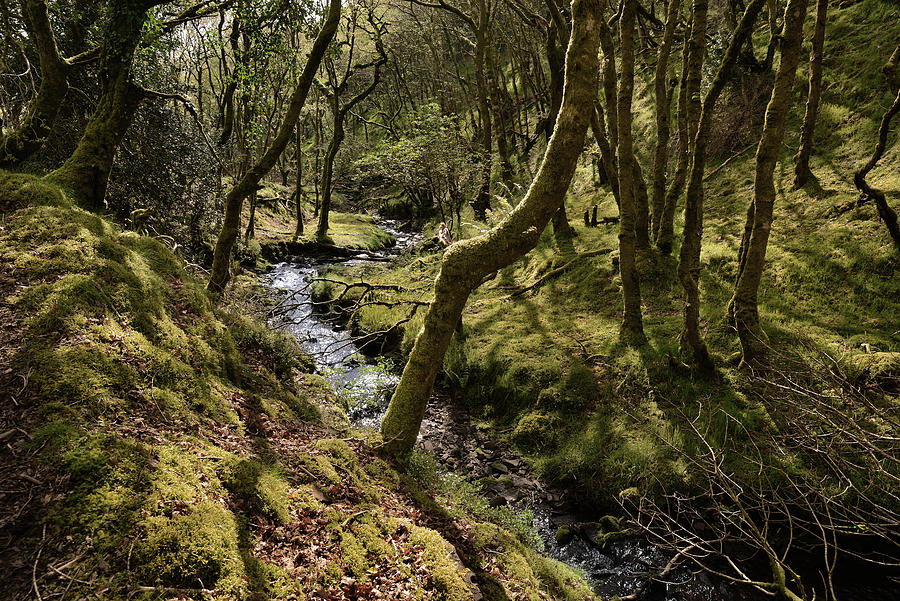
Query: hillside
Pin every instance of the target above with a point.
(159, 447)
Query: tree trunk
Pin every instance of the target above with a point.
(754, 345)
(774, 34)
(86, 172)
(606, 154)
(482, 200)
(466, 263)
(663, 116)
(328, 169)
(227, 115)
(221, 268)
(632, 323)
(689, 258)
(250, 232)
(641, 209)
(609, 88)
(802, 174)
(298, 190)
(18, 145)
(886, 213)
(666, 235)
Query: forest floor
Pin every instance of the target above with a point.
(539, 356)
(157, 446)
(275, 227)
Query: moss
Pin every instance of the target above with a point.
(322, 466)
(354, 554)
(195, 550)
(339, 450)
(564, 535)
(261, 485)
(536, 430)
(606, 530)
(447, 575)
(274, 226)
(18, 190)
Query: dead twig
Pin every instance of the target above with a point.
(37, 592)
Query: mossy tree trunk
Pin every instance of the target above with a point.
(802, 174)
(641, 209)
(298, 189)
(339, 113)
(887, 214)
(337, 138)
(687, 112)
(227, 110)
(689, 257)
(466, 263)
(482, 201)
(221, 267)
(557, 40)
(18, 145)
(754, 344)
(86, 172)
(632, 323)
(663, 91)
(598, 127)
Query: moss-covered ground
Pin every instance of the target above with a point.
(546, 367)
(157, 446)
(275, 225)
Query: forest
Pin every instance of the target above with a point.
(450, 299)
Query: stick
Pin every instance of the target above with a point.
(731, 158)
(34, 583)
(552, 274)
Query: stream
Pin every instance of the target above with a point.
(619, 567)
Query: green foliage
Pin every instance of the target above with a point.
(466, 497)
(431, 163)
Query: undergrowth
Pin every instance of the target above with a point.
(191, 451)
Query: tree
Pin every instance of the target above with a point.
(663, 95)
(86, 172)
(234, 202)
(687, 114)
(467, 263)
(802, 174)
(632, 323)
(18, 145)
(689, 257)
(887, 214)
(754, 345)
(336, 86)
(479, 20)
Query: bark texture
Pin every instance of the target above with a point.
(234, 202)
(689, 258)
(86, 172)
(18, 145)
(632, 323)
(802, 174)
(754, 344)
(663, 93)
(466, 263)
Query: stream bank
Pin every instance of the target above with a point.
(616, 564)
